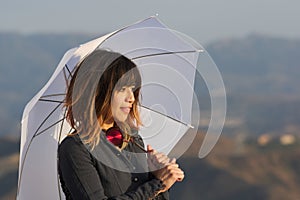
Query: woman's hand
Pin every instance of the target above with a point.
(156, 160)
(163, 168)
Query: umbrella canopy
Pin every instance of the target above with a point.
(168, 67)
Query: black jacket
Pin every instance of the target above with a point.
(105, 172)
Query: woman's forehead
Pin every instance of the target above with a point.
(129, 79)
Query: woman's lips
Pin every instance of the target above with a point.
(126, 109)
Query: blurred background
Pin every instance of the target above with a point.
(255, 44)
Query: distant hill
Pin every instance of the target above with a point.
(26, 64)
(258, 64)
(237, 170)
(261, 76)
(9, 159)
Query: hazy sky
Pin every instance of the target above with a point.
(204, 20)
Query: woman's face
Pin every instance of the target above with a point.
(122, 101)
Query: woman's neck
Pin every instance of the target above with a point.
(107, 126)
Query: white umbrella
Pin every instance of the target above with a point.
(168, 66)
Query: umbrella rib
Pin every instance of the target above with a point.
(22, 167)
(52, 95)
(42, 131)
(122, 30)
(62, 125)
(53, 101)
(34, 135)
(26, 152)
(165, 53)
(70, 73)
(168, 117)
(66, 68)
(65, 76)
(37, 130)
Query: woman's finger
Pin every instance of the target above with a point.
(161, 158)
(173, 160)
(150, 150)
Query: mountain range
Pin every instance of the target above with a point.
(260, 73)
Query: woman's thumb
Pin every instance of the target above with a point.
(149, 148)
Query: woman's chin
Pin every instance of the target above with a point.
(121, 119)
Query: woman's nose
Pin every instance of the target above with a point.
(130, 96)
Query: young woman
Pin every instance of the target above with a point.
(103, 157)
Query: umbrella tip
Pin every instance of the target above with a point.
(200, 50)
(154, 16)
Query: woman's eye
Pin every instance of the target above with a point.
(132, 88)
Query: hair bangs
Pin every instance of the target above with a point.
(129, 78)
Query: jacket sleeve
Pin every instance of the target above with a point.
(82, 180)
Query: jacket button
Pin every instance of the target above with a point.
(135, 179)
